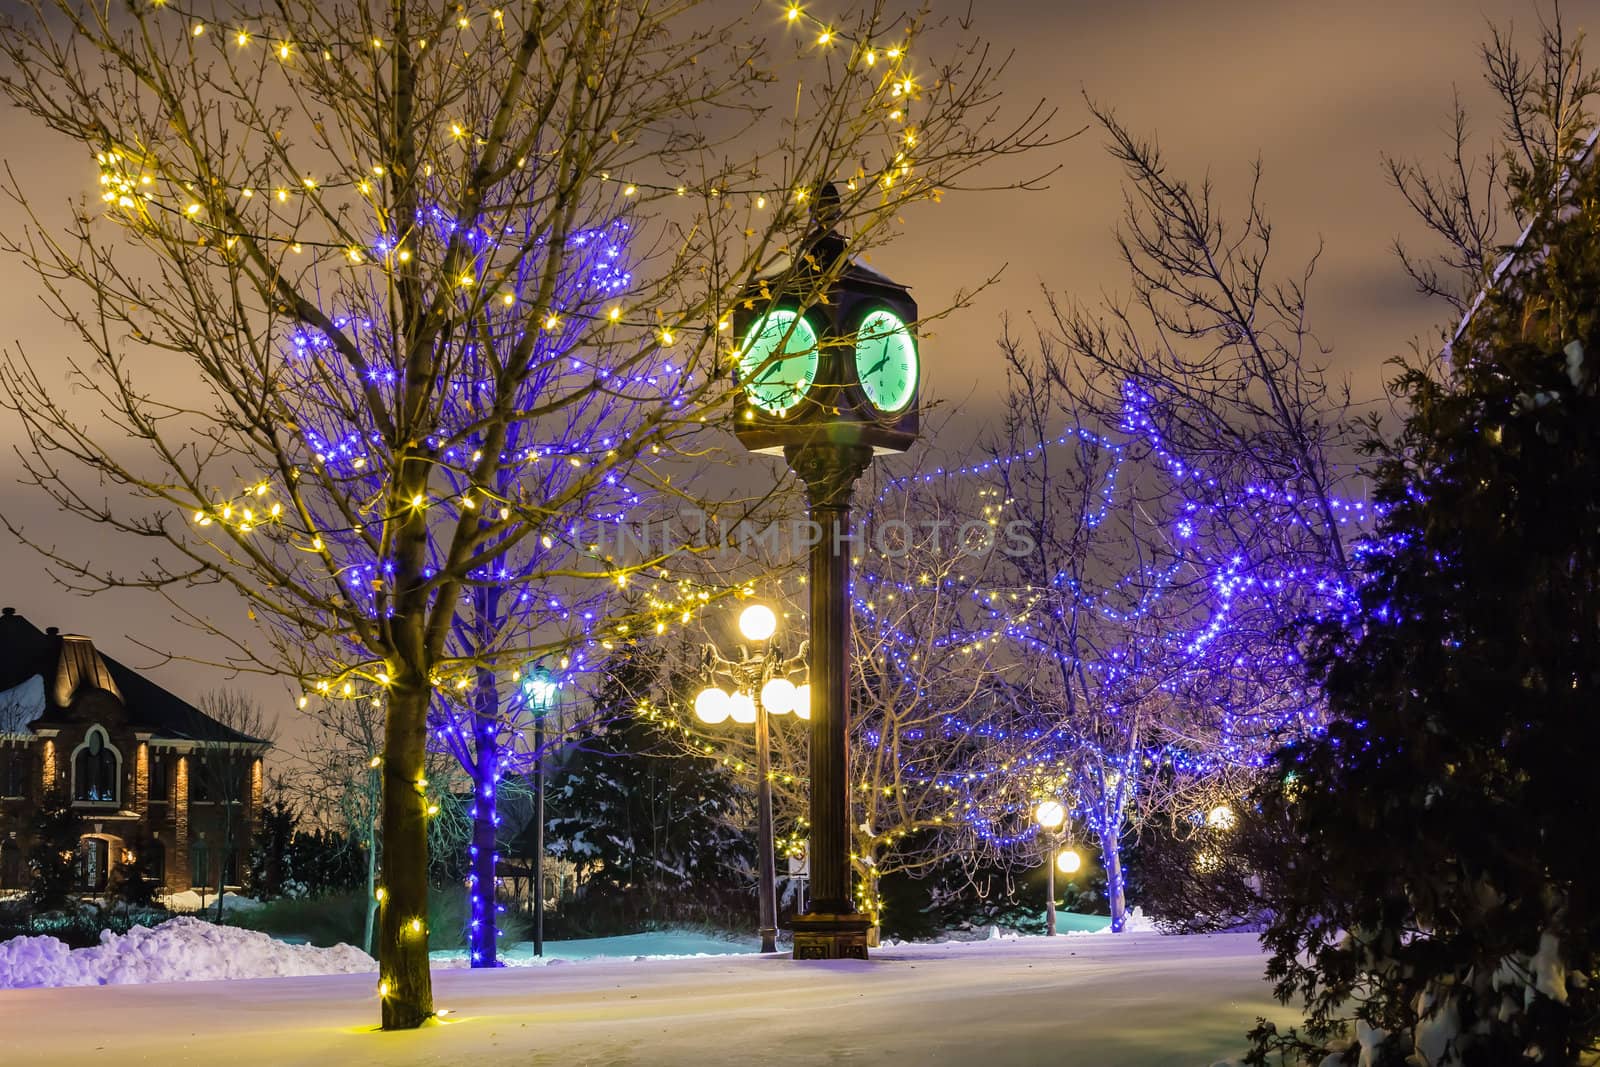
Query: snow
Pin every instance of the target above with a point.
(1129, 1000)
(1549, 973)
(190, 900)
(660, 944)
(677, 944)
(179, 950)
(21, 704)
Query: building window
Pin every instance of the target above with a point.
(96, 770)
(199, 863)
(16, 768)
(200, 791)
(160, 778)
(155, 861)
(216, 778)
(13, 872)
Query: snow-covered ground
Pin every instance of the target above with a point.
(655, 945)
(179, 950)
(1138, 1000)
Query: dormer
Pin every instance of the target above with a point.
(80, 665)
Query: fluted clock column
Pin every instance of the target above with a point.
(832, 928)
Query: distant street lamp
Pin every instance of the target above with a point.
(762, 687)
(539, 688)
(1051, 817)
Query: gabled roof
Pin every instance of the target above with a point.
(68, 664)
(1521, 256)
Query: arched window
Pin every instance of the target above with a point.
(96, 770)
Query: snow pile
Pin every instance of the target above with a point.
(189, 900)
(179, 950)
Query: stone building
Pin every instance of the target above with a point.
(141, 767)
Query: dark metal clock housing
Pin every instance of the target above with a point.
(836, 407)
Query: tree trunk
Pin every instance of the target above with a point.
(405, 987)
(481, 940)
(372, 877)
(1116, 891)
(222, 857)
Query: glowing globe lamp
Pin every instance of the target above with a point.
(742, 708)
(712, 706)
(1068, 861)
(802, 700)
(777, 696)
(758, 623)
(1050, 814)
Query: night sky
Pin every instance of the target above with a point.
(1319, 90)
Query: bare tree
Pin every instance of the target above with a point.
(224, 771)
(371, 234)
(1469, 202)
(1210, 360)
(338, 782)
(929, 738)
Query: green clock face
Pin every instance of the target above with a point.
(776, 381)
(886, 361)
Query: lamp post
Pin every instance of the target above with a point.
(1051, 817)
(540, 688)
(829, 376)
(763, 688)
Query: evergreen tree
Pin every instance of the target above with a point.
(272, 870)
(53, 857)
(1436, 882)
(657, 836)
(324, 861)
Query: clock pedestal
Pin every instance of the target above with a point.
(832, 929)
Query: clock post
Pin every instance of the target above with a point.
(829, 376)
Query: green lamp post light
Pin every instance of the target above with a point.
(540, 689)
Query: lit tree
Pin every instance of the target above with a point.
(929, 737)
(1173, 455)
(367, 231)
(1151, 675)
(922, 725)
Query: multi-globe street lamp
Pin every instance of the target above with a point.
(1051, 817)
(762, 687)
